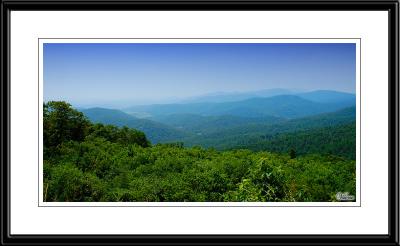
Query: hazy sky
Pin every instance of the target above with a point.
(90, 74)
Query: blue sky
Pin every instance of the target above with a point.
(118, 74)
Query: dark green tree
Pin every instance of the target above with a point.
(62, 123)
(292, 153)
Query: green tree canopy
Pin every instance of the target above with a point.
(62, 123)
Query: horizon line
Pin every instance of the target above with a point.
(296, 91)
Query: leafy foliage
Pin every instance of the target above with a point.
(339, 140)
(95, 162)
(255, 136)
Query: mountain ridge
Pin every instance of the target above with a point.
(156, 132)
(283, 106)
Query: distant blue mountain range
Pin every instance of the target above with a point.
(213, 121)
(218, 97)
(285, 106)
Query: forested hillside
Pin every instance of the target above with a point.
(200, 125)
(85, 161)
(155, 131)
(232, 137)
(334, 140)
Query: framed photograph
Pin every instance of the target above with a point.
(196, 122)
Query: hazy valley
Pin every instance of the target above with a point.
(241, 121)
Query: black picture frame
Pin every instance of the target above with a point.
(392, 238)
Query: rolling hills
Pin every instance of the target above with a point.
(339, 140)
(218, 97)
(156, 132)
(281, 106)
(261, 123)
(234, 136)
(206, 124)
(86, 162)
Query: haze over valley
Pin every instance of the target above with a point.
(241, 120)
